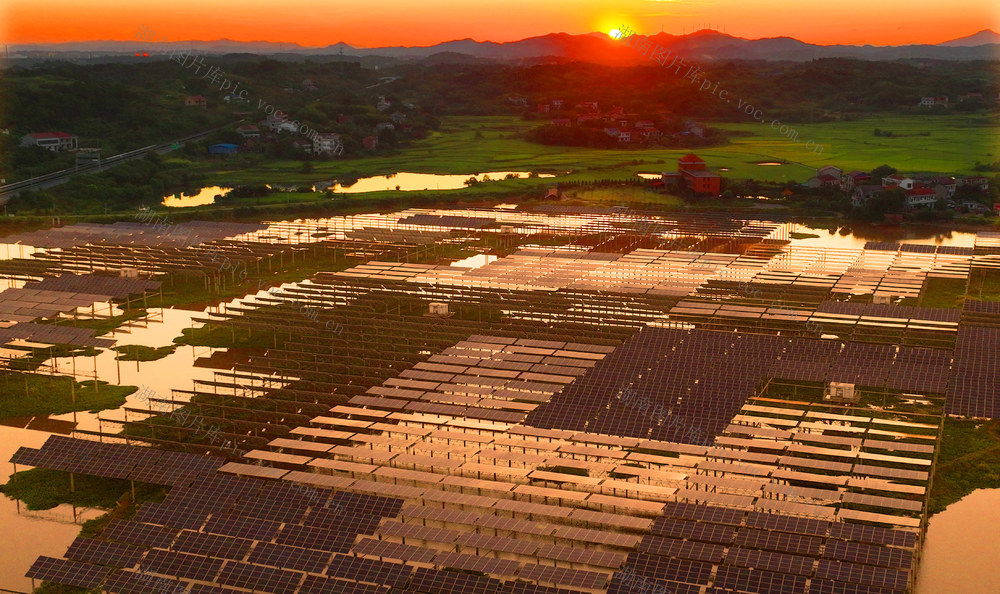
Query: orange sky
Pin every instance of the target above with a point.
(426, 22)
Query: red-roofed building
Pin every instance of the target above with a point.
(691, 162)
(53, 141)
(921, 197)
(694, 171)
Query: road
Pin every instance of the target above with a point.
(59, 177)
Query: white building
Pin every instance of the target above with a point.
(53, 141)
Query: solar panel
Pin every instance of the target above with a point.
(862, 574)
(131, 582)
(258, 577)
(140, 534)
(315, 538)
(315, 584)
(747, 580)
(104, 552)
(448, 582)
(288, 557)
(69, 573)
(778, 562)
(183, 565)
(212, 545)
(370, 570)
(243, 527)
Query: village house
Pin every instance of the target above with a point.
(693, 171)
(944, 187)
(923, 196)
(933, 101)
(853, 179)
(327, 142)
(893, 180)
(248, 131)
(863, 193)
(560, 122)
(53, 141)
(275, 120)
(195, 101)
(621, 135)
(976, 182)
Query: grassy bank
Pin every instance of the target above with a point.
(26, 395)
(969, 459)
(470, 144)
(139, 352)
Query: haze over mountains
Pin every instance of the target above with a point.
(593, 47)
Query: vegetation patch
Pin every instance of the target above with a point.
(943, 292)
(27, 395)
(969, 459)
(139, 352)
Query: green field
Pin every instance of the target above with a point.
(954, 144)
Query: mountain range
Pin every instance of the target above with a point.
(705, 45)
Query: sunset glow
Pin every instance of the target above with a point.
(395, 22)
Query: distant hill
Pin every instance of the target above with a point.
(703, 45)
(984, 37)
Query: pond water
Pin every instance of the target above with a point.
(475, 261)
(962, 547)
(423, 181)
(204, 196)
(856, 236)
(51, 531)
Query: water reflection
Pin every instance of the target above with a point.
(51, 530)
(404, 181)
(960, 551)
(204, 196)
(475, 261)
(856, 236)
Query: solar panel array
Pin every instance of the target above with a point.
(26, 305)
(974, 389)
(117, 461)
(124, 233)
(460, 222)
(51, 334)
(112, 286)
(695, 545)
(701, 378)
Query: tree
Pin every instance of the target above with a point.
(882, 171)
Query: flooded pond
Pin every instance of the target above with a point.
(204, 196)
(51, 530)
(961, 549)
(856, 236)
(404, 181)
(475, 261)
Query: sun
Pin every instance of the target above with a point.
(614, 33)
